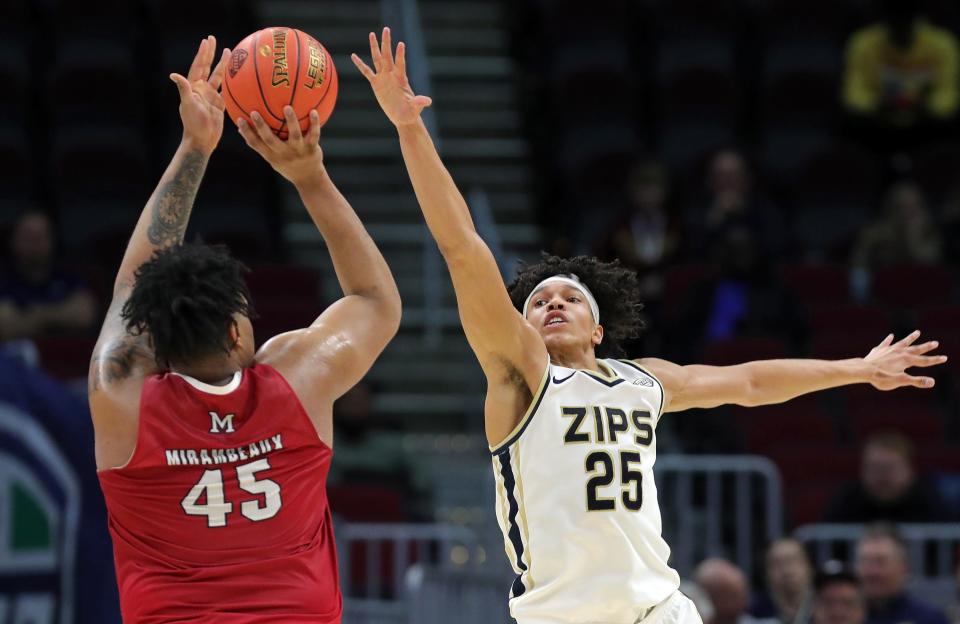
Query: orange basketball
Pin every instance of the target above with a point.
(277, 66)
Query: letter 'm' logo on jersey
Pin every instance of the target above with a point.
(221, 425)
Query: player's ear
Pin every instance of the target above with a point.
(597, 336)
(234, 333)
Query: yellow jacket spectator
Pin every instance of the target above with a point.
(901, 70)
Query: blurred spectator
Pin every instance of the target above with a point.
(646, 234)
(901, 74)
(838, 598)
(743, 299)
(36, 297)
(905, 233)
(733, 202)
(727, 588)
(788, 574)
(883, 570)
(888, 488)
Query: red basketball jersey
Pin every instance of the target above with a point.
(221, 514)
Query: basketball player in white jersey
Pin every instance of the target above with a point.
(572, 433)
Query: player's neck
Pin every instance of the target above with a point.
(578, 360)
(216, 372)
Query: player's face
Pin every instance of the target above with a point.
(562, 315)
(839, 604)
(881, 567)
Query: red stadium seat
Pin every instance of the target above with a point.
(914, 287)
(807, 503)
(279, 316)
(911, 411)
(678, 282)
(284, 282)
(814, 462)
(740, 350)
(840, 346)
(65, 357)
(802, 421)
(849, 320)
(840, 172)
(817, 283)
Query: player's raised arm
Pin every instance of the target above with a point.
(119, 355)
(503, 341)
(775, 381)
(326, 359)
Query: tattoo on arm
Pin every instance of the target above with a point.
(174, 200)
(119, 360)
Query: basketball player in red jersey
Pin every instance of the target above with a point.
(212, 455)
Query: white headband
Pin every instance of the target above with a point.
(571, 281)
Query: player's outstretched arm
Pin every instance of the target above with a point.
(775, 381)
(120, 356)
(503, 341)
(325, 360)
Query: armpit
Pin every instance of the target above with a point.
(119, 360)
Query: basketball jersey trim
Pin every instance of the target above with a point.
(513, 510)
(514, 435)
(608, 380)
(210, 388)
(633, 364)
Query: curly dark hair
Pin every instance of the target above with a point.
(185, 297)
(615, 288)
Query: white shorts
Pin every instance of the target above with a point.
(677, 609)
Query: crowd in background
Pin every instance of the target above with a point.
(780, 189)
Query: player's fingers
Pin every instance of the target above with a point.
(194, 71)
(402, 58)
(263, 131)
(919, 382)
(909, 339)
(293, 125)
(249, 136)
(183, 86)
(926, 347)
(364, 69)
(422, 101)
(208, 53)
(313, 134)
(924, 361)
(375, 52)
(216, 78)
(386, 50)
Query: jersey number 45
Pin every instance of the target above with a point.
(216, 506)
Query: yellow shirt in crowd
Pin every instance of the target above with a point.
(901, 83)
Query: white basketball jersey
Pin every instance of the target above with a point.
(576, 500)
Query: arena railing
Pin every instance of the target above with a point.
(718, 506)
(374, 559)
(933, 550)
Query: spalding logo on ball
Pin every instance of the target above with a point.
(275, 67)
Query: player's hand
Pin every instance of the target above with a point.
(201, 106)
(390, 83)
(299, 158)
(890, 360)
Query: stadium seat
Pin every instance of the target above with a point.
(740, 350)
(825, 229)
(849, 320)
(283, 282)
(276, 317)
(839, 346)
(814, 463)
(65, 357)
(914, 287)
(821, 283)
(912, 411)
(99, 163)
(94, 82)
(801, 420)
(807, 503)
(678, 282)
